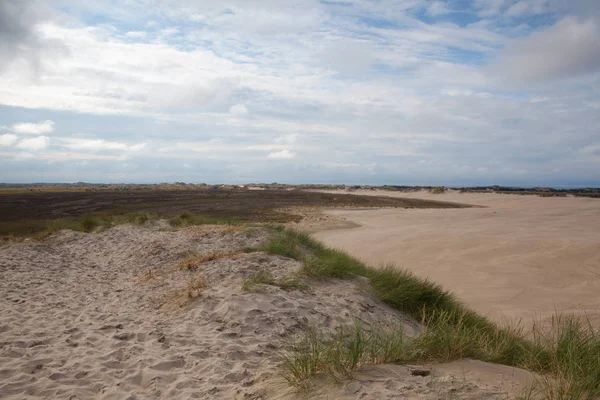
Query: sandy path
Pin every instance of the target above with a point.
(520, 257)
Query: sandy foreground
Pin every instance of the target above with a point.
(108, 315)
(517, 257)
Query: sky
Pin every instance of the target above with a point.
(404, 92)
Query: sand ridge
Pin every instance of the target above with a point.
(79, 316)
(98, 316)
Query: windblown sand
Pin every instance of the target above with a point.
(519, 257)
(108, 316)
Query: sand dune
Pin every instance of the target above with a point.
(519, 257)
(107, 316)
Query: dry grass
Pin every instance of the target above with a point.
(179, 298)
(195, 286)
(148, 276)
(192, 263)
(15, 239)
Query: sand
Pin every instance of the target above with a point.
(516, 257)
(107, 316)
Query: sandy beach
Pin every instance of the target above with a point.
(516, 257)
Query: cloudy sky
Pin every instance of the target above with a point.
(455, 92)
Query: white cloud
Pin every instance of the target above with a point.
(438, 8)
(342, 83)
(539, 99)
(137, 34)
(593, 149)
(283, 154)
(197, 17)
(567, 49)
(99, 145)
(271, 18)
(520, 8)
(265, 147)
(238, 109)
(287, 139)
(488, 8)
(8, 139)
(169, 32)
(348, 56)
(113, 76)
(34, 128)
(59, 156)
(34, 144)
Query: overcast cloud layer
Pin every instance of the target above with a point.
(456, 92)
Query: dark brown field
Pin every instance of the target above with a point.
(26, 212)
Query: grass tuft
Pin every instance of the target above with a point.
(255, 282)
(448, 338)
(89, 224)
(195, 286)
(181, 297)
(404, 291)
(137, 218)
(328, 263)
(571, 362)
(283, 246)
(339, 354)
(187, 218)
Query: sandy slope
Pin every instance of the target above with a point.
(519, 257)
(102, 315)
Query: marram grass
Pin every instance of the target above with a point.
(564, 356)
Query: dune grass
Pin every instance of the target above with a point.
(188, 218)
(138, 218)
(572, 360)
(256, 282)
(338, 354)
(98, 221)
(567, 354)
(341, 353)
(93, 222)
(88, 223)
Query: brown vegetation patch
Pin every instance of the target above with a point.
(30, 212)
(195, 286)
(179, 298)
